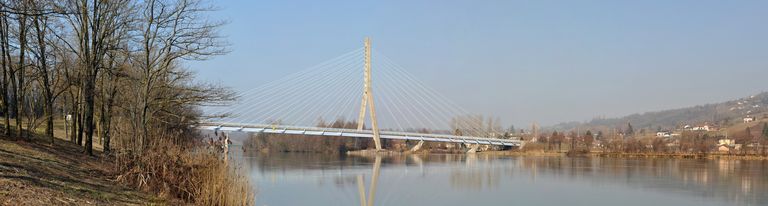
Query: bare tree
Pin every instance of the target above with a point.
(106, 58)
(115, 67)
(21, 37)
(171, 31)
(41, 53)
(95, 24)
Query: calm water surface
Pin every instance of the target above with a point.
(320, 179)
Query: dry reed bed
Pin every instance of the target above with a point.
(194, 173)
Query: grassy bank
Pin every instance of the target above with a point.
(34, 173)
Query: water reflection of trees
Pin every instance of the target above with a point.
(475, 179)
(310, 161)
(735, 181)
(740, 181)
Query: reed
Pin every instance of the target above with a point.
(187, 171)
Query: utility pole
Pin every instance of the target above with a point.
(368, 97)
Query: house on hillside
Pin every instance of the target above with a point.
(705, 127)
(749, 119)
(726, 142)
(663, 134)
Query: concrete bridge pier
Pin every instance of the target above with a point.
(418, 146)
(473, 148)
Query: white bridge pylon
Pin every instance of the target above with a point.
(407, 109)
(367, 100)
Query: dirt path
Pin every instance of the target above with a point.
(34, 173)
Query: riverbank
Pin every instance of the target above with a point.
(289, 143)
(629, 155)
(35, 173)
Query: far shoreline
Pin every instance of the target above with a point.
(512, 153)
(630, 155)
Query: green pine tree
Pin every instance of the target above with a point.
(630, 131)
(765, 130)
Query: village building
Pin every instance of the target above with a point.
(704, 127)
(727, 145)
(663, 134)
(723, 149)
(726, 142)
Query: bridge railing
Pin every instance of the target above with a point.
(341, 132)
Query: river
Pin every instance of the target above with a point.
(290, 179)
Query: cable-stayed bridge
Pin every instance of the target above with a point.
(325, 99)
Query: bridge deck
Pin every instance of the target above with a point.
(317, 131)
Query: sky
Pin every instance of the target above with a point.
(522, 61)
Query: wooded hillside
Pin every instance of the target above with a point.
(723, 114)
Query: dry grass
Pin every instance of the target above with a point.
(190, 172)
(538, 147)
(222, 185)
(36, 173)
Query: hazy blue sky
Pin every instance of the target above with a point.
(523, 61)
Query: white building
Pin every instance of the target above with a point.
(726, 142)
(701, 128)
(663, 134)
(705, 127)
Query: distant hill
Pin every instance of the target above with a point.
(724, 114)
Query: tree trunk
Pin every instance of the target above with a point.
(48, 94)
(6, 71)
(144, 127)
(106, 122)
(14, 104)
(73, 120)
(79, 115)
(48, 111)
(6, 108)
(106, 112)
(88, 92)
(20, 91)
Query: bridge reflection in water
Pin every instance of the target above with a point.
(374, 179)
(325, 179)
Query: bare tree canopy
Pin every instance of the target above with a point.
(108, 69)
